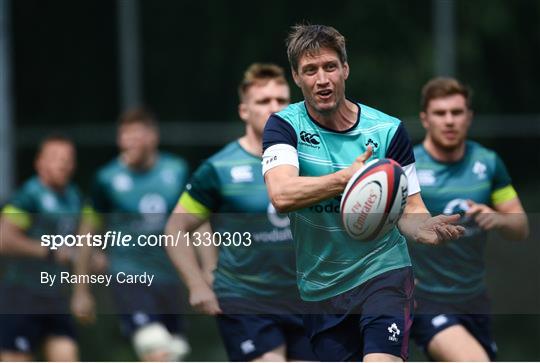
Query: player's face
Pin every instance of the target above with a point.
(447, 121)
(260, 101)
(136, 142)
(56, 163)
(321, 76)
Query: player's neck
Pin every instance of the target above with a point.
(251, 142)
(145, 164)
(47, 183)
(444, 155)
(342, 118)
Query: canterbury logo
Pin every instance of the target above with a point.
(310, 138)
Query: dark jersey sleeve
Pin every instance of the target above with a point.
(24, 200)
(400, 148)
(501, 177)
(278, 131)
(99, 199)
(183, 172)
(204, 187)
(20, 207)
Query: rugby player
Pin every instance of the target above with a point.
(255, 280)
(360, 293)
(452, 321)
(36, 315)
(133, 194)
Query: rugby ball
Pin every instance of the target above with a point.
(374, 200)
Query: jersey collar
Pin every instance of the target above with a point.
(332, 130)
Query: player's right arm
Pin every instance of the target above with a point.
(505, 213)
(82, 300)
(288, 191)
(183, 257)
(208, 255)
(200, 198)
(13, 238)
(15, 221)
(507, 217)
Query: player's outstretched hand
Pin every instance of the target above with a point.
(203, 299)
(359, 162)
(439, 229)
(484, 216)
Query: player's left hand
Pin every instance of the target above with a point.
(358, 163)
(438, 229)
(486, 217)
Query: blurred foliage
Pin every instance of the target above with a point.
(194, 53)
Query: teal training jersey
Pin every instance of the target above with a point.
(229, 187)
(39, 211)
(455, 270)
(329, 262)
(138, 203)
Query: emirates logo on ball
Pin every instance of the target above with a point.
(362, 210)
(373, 200)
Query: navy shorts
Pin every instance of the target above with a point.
(374, 317)
(28, 317)
(433, 317)
(25, 333)
(139, 305)
(249, 335)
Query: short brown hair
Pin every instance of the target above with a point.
(138, 115)
(260, 73)
(442, 87)
(55, 137)
(306, 38)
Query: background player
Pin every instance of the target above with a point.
(134, 194)
(229, 189)
(36, 315)
(311, 151)
(457, 175)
